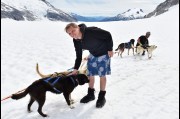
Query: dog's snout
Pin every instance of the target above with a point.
(82, 78)
(86, 79)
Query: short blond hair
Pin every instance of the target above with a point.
(70, 25)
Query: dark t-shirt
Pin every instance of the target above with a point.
(96, 40)
(143, 40)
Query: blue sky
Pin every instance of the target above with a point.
(104, 7)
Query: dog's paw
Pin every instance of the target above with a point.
(44, 115)
(72, 101)
(71, 106)
(29, 111)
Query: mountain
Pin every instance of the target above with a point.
(33, 10)
(13, 13)
(163, 7)
(88, 19)
(130, 14)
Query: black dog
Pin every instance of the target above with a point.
(37, 90)
(127, 45)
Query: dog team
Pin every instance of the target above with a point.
(100, 45)
(141, 46)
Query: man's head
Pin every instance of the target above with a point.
(148, 34)
(73, 30)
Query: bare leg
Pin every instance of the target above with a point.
(91, 82)
(102, 83)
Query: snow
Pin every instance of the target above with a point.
(137, 88)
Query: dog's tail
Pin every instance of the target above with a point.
(40, 74)
(117, 49)
(20, 95)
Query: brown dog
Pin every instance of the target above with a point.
(129, 45)
(149, 50)
(37, 90)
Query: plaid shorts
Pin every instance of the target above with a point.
(98, 65)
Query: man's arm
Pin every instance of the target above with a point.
(78, 49)
(110, 45)
(139, 41)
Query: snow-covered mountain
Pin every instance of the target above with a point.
(13, 13)
(163, 7)
(88, 18)
(135, 13)
(33, 10)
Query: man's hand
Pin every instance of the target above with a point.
(110, 53)
(85, 58)
(74, 72)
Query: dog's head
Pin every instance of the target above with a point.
(132, 41)
(152, 47)
(82, 79)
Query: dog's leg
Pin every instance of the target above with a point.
(30, 103)
(41, 100)
(133, 50)
(71, 100)
(136, 55)
(128, 51)
(122, 52)
(140, 57)
(66, 96)
(139, 53)
(119, 52)
(149, 55)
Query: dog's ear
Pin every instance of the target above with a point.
(82, 79)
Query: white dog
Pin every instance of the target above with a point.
(149, 50)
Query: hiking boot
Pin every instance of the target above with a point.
(89, 97)
(101, 99)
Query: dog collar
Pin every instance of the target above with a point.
(75, 82)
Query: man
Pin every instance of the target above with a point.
(143, 41)
(100, 45)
